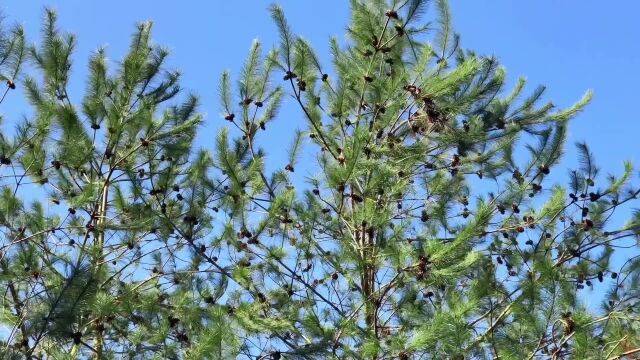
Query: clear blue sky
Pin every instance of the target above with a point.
(570, 46)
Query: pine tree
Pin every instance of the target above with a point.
(433, 226)
(100, 263)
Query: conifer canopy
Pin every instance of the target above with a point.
(430, 220)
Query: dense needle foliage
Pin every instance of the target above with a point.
(433, 224)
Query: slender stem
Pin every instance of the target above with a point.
(628, 352)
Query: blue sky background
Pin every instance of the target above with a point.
(570, 46)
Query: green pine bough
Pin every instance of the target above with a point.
(424, 221)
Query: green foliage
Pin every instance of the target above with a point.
(421, 221)
(12, 51)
